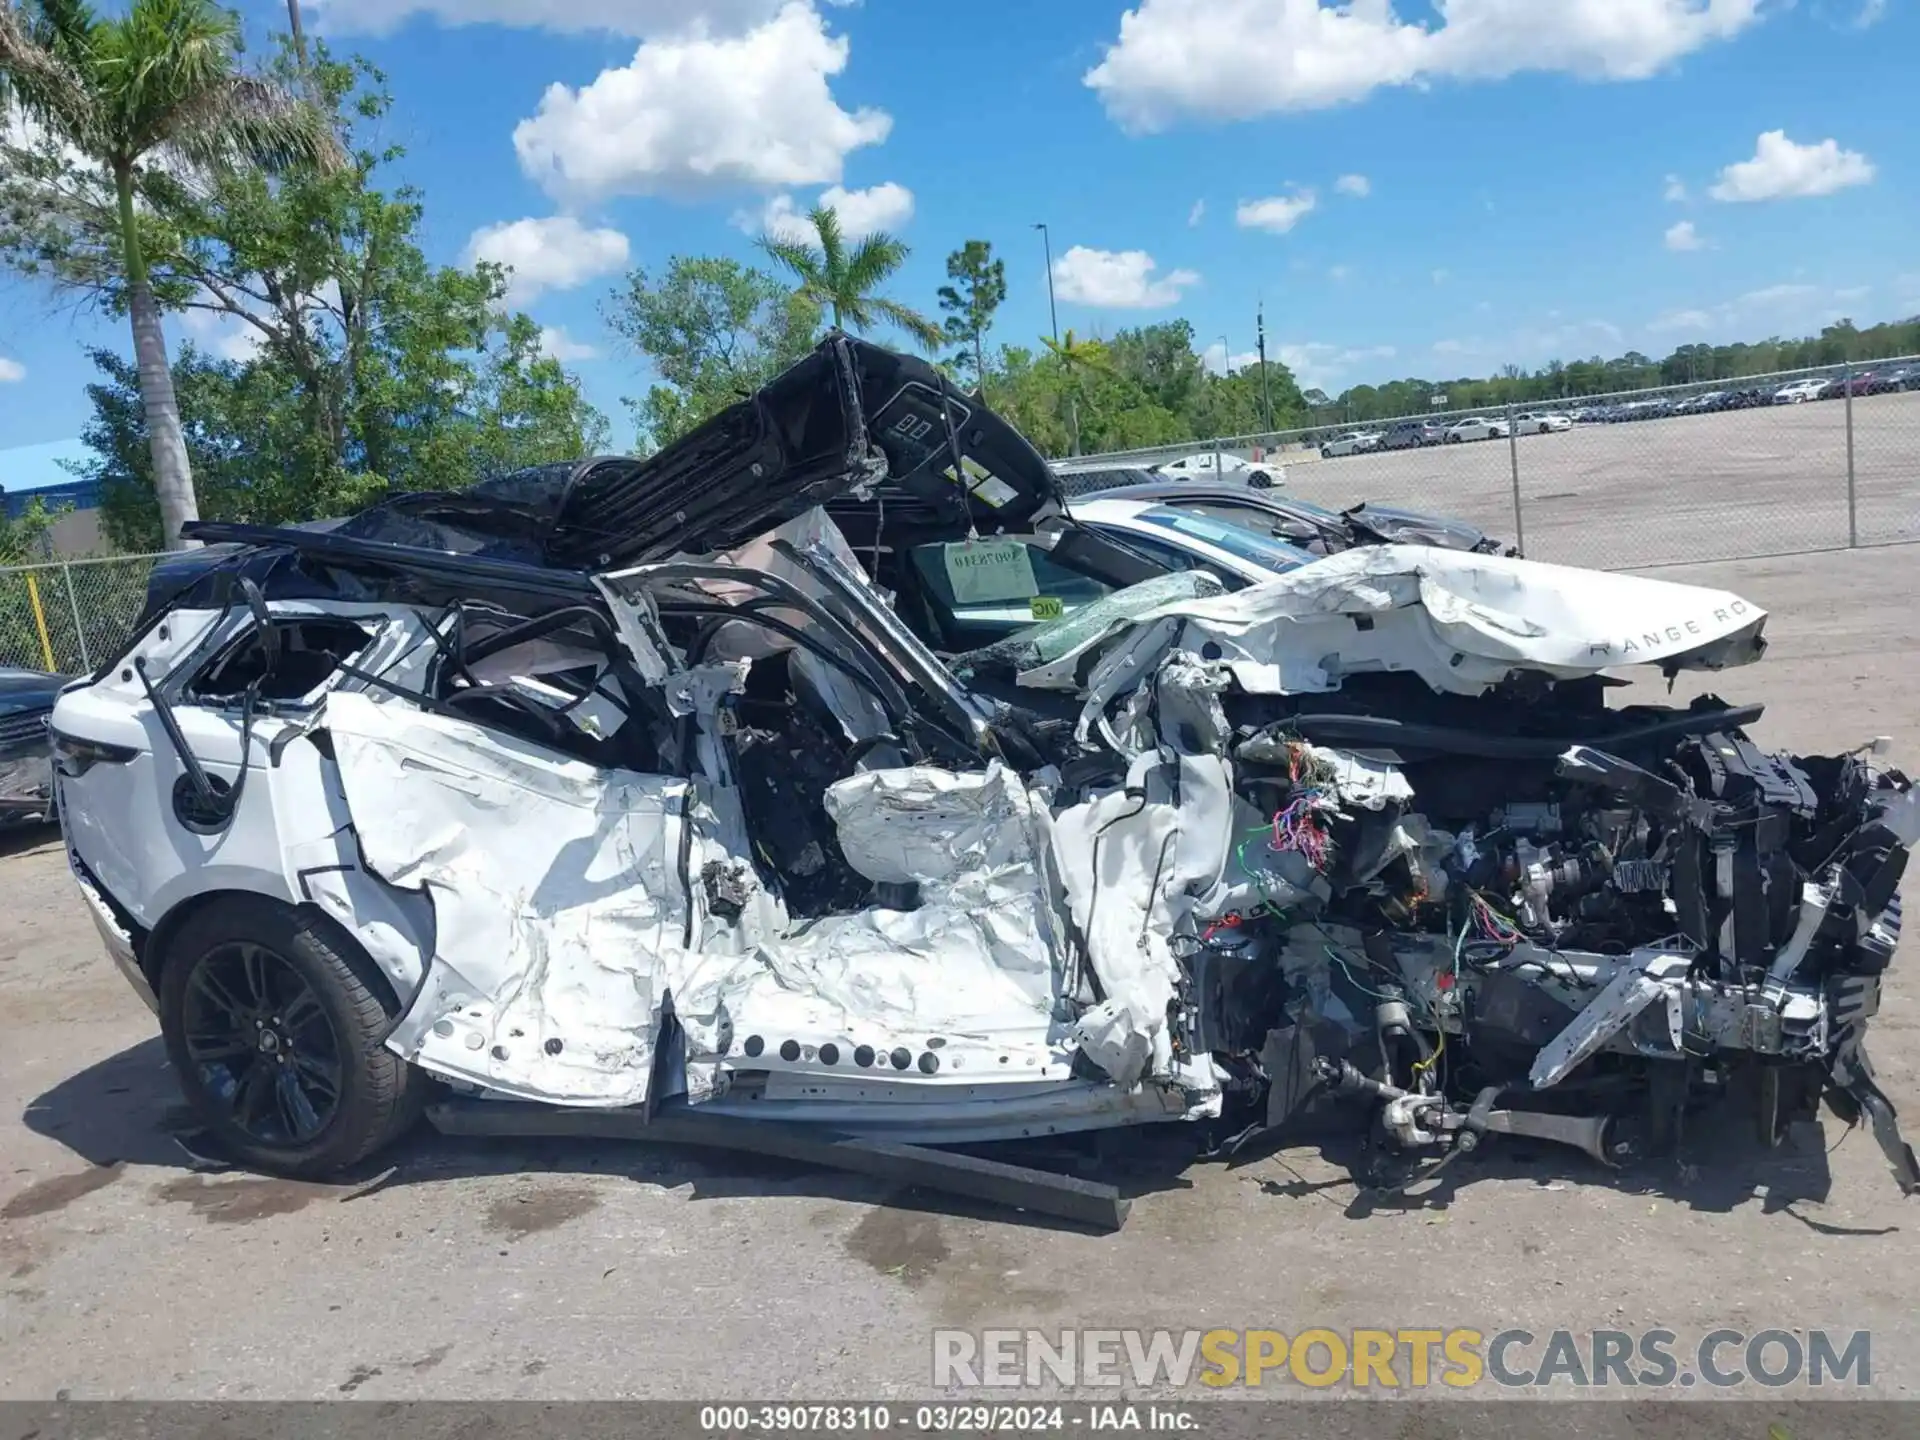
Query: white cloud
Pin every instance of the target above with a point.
(1198, 213)
(618, 17)
(1235, 60)
(553, 254)
(1218, 362)
(556, 344)
(886, 206)
(1276, 214)
(1791, 308)
(1782, 170)
(1676, 190)
(880, 207)
(1683, 320)
(12, 372)
(1322, 367)
(1872, 12)
(1118, 279)
(1357, 186)
(1684, 237)
(696, 114)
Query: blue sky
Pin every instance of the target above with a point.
(1426, 189)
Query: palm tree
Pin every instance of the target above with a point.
(159, 85)
(842, 282)
(1076, 357)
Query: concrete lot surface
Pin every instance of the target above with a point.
(1658, 492)
(497, 1271)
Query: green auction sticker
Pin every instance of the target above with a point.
(1046, 607)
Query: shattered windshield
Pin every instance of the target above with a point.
(1041, 644)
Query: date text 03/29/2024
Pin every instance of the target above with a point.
(946, 1418)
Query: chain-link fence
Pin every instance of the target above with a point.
(69, 616)
(1719, 470)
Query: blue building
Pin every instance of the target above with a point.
(37, 472)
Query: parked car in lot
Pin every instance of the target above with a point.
(1223, 465)
(1306, 525)
(1700, 404)
(1354, 444)
(1801, 391)
(1412, 434)
(1478, 427)
(1542, 422)
(26, 757)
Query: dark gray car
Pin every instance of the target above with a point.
(26, 757)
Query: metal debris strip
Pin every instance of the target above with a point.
(1086, 1202)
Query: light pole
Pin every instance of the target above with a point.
(1053, 310)
(299, 35)
(1266, 386)
(1226, 358)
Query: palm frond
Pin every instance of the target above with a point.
(912, 321)
(42, 71)
(250, 121)
(826, 224)
(873, 260)
(799, 259)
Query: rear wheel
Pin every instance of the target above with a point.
(1260, 480)
(274, 1021)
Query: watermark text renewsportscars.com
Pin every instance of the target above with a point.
(1402, 1359)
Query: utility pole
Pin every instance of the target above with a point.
(299, 35)
(1226, 359)
(1047, 239)
(1266, 384)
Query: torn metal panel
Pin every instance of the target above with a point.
(1133, 862)
(555, 892)
(1461, 622)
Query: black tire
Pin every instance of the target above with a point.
(347, 1009)
(1260, 480)
(1326, 452)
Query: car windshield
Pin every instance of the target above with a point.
(1242, 544)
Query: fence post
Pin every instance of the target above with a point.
(1219, 475)
(40, 618)
(1513, 455)
(1853, 497)
(79, 630)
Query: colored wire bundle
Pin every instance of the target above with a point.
(1298, 828)
(1490, 924)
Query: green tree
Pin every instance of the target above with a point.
(367, 367)
(843, 282)
(979, 288)
(115, 101)
(1078, 360)
(711, 330)
(1161, 360)
(24, 538)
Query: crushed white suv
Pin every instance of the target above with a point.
(626, 794)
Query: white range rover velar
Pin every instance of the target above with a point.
(651, 797)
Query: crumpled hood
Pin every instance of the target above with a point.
(1464, 622)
